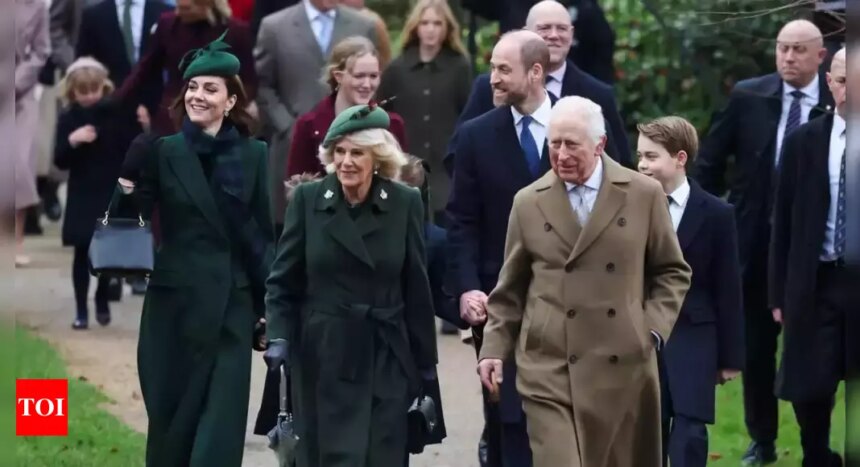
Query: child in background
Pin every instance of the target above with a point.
(85, 132)
(414, 174)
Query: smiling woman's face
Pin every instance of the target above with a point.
(207, 99)
(353, 164)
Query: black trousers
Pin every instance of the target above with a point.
(760, 403)
(835, 304)
(81, 284)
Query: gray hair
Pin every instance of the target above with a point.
(580, 107)
(387, 156)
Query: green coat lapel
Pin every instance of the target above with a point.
(249, 172)
(188, 171)
(340, 226)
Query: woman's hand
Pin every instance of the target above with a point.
(277, 354)
(84, 134)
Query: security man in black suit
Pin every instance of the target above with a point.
(812, 291)
(760, 112)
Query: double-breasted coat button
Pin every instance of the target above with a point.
(610, 267)
(568, 268)
(572, 359)
(427, 145)
(571, 313)
(427, 92)
(547, 227)
(613, 359)
(622, 222)
(611, 313)
(426, 118)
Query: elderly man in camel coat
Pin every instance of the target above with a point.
(592, 283)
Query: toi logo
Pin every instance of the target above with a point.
(41, 407)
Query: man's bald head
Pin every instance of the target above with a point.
(551, 20)
(836, 81)
(518, 67)
(799, 52)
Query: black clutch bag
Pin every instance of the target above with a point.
(121, 247)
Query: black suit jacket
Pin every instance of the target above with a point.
(576, 83)
(709, 333)
(746, 131)
(800, 217)
(489, 168)
(101, 37)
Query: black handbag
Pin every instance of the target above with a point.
(121, 247)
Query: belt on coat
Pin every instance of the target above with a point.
(386, 321)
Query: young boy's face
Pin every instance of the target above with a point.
(656, 162)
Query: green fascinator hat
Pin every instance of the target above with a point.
(211, 60)
(356, 118)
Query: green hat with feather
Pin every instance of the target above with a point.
(356, 118)
(210, 60)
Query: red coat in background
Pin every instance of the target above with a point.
(171, 40)
(242, 9)
(309, 132)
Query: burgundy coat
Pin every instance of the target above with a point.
(309, 132)
(171, 40)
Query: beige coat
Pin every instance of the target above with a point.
(576, 306)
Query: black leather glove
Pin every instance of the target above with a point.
(277, 354)
(141, 147)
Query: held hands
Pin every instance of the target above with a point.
(84, 134)
(725, 375)
(473, 307)
(277, 354)
(490, 370)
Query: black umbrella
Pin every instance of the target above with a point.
(283, 438)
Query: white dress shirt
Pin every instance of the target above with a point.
(678, 203)
(582, 197)
(807, 102)
(137, 7)
(538, 125)
(320, 22)
(834, 164)
(554, 80)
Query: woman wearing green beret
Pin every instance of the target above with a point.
(206, 292)
(349, 307)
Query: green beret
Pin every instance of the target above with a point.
(211, 60)
(356, 118)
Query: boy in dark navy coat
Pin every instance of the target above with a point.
(707, 343)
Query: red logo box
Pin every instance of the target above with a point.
(41, 407)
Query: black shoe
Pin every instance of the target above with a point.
(80, 325)
(103, 314)
(53, 210)
(759, 454)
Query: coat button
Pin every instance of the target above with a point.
(427, 145)
(610, 267)
(426, 118)
(611, 313)
(547, 227)
(427, 92)
(613, 359)
(568, 268)
(572, 359)
(622, 222)
(571, 313)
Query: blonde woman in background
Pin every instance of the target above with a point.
(352, 75)
(431, 80)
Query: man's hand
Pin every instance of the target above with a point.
(777, 315)
(490, 370)
(473, 307)
(727, 374)
(84, 134)
(143, 118)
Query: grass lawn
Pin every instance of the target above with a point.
(728, 437)
(96, 438)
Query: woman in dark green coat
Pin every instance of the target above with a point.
(349, 307)
(206, 292)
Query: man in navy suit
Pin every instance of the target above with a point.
(551, 20)
(813, 291)
(707, 342)
(760, 112)
(496, 155)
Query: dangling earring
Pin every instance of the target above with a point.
(376, 169)
(226, 113)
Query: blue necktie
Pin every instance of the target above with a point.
(527, 142)
(793, 117)
(324, 36)
(841, 213)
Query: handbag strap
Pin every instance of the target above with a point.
(114, 202)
